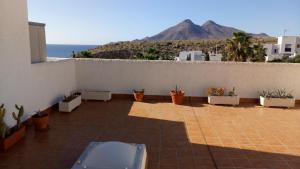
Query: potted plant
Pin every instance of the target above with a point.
(69, 103)
(41, 121)
(177, 96)
(10, 137)
(138, 95)
(277, 98)
(216, 96)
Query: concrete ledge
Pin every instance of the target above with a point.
(36, 24)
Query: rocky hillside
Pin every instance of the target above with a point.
(129, 50)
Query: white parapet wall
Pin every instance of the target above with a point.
(159, 77)
(35, 86)
(51, 81)
(39, 86)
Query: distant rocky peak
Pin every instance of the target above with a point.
(209, 23)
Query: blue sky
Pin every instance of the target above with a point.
(104, 21)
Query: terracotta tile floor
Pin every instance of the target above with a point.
(193, 136)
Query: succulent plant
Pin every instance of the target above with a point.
(177, 90)
(3, 126)
(232, 92)
(70, 98)
(18, 116)
(216, 91)
(279, 93)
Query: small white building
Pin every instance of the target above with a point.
(215, 57)
(197, 56)
(286, 46)
(191, 56)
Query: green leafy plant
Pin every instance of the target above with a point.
(71, 97)
(259, 53)
(232, 92)
(287, 59)
(279, 93)
(19, 115)
(177, 90)
(86, 53)
(3, 126)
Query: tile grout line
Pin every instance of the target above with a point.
(208, 148)
(160, 144)
(194, 160)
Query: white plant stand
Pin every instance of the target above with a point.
(69, 106)
(224, 100)
(277, 102)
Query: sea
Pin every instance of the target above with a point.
(65, 51)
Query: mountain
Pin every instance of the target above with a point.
(187, 30)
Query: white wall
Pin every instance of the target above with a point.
(287, 40)
(36, 86)
(14, 53)
(159, 77)
(50, 82)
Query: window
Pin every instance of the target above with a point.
(198, 57)
(298, 45)
(288, 48)
(189, 57)
(275, 51)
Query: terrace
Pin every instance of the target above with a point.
(194, 135)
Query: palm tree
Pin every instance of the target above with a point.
(238, 48)
(259, 53)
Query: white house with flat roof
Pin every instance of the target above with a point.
(191, 56)
(286, 46)
(197, 56)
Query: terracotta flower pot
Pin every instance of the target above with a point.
(28, 122)
(41, 122)
(14, 138)
(177, 97)
(138, 96)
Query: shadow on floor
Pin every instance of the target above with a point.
(170, 144)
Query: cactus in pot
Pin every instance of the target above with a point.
(18, 116)
(3, 127)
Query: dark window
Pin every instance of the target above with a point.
(288, 48)
(189, 57)
(275, 51)
(298, 45)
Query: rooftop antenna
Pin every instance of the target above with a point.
(284, 32)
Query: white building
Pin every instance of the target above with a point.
(197, 56)
(191, 56)
(215, 57)
(286, 46)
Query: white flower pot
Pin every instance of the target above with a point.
(224, 100)
(71, 105)
(277, 102)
